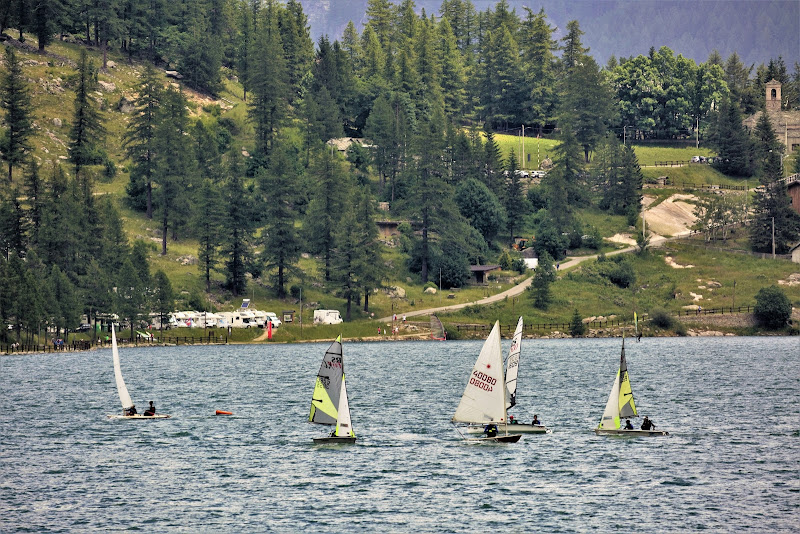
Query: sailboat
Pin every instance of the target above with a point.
(124, 396)
(512, 371)
(329, 404)
(621, 405)
(437, 329)
(484, 398)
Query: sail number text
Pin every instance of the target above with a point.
(483, 381)
(335, 362)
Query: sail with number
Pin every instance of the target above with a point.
(620, 402)
(484, 398)
(437, 329)
(512, 366)
(124, 396)
(329, 404)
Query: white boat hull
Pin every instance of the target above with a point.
(630, 433)
(516, 429)
(140, 416)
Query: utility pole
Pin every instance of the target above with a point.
(301, 313)
(522, 157)
(697, 134)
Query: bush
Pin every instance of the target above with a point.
(294, 291)
(773, 308)
(577, 328)
(519, 265)
(661, 318)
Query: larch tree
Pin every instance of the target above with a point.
(15, 100)
(87, 133)
(139, 142)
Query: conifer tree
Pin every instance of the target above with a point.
(163, 301)
(330, 193)
(734, 146)
(139, 142)
(279, 187)
(239, 217)
(15, 100)
(209, 228)
(513, 199)
(544, 276)
(87, 133)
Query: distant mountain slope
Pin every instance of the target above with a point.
(758, 30)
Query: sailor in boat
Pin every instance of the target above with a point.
(490, 430)
(647, 424)
(628, 424)
(150, 410)
(512, 420)
(536, 420)
(131, 410)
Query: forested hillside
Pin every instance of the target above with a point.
(138, 137)
(757, 31)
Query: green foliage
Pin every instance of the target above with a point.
(577, 328)
(661, 318)
(15, 100)
(480, 207)
(772, 309)
(544, 276)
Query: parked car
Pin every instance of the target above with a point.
(85, 327)
(273, 318)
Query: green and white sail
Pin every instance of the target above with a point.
(620, 403)
(512, 366)
(124, 396)
(329, 405)
(484, 398)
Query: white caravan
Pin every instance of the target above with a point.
(327, 317)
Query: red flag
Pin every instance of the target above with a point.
(269, 329)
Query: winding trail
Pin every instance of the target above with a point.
(521, 287)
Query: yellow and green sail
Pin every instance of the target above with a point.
(328, 386)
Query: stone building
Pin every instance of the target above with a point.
(786, 123)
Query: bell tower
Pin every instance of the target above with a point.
(773, 95)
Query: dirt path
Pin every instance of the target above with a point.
(519, 288)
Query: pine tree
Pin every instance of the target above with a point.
(140, 140)
(175, 164)
(772, 206)
(163, 301)
(16, 102)
(269, 91)
(239, 217)
(544, 276)
(734, 147)
(87, 133)
(279, 186)
(513, 199)
(330, 194)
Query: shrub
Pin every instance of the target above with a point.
(577, 328)
(661, 318)
(773, 308)
(294, 291)
(519, 265)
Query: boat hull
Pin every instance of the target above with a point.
(140, 416)
(630, 433)
(516, 429)
(335, 439)
(505, 438)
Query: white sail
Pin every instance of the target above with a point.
(512, 366)
(484, 398)
(344, 426)
(610, 418)
(124, 397)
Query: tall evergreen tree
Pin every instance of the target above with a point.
(330, 193)
(163, 301)
(209, 224)
(139, 142)
(513, 199)
(734, 147)
(772, 206)
(87, 133)
(15, 100)
(279, 186)
(240, 214)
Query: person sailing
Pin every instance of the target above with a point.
(151, 410)
(647, 424)
(536, 420)
(131, 410)
(628, 425)
(490, 430)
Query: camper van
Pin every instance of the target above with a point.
(238, 319)
(271, 317)
(327, 317)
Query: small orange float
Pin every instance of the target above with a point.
(222, 412)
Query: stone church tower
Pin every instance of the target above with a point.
(773, 95)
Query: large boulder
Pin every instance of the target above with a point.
(108, 87)
(430, 290)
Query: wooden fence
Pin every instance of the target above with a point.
(81, 345)
(600, 324)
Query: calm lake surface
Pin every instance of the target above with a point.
(732, 463)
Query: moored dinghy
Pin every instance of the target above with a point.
(122, 390)
(329, 404)
(484, 398)
(621, 405)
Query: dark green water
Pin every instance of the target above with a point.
(731, 464)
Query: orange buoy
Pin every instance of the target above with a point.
(221, 412)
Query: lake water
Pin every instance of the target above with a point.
(732, 462)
